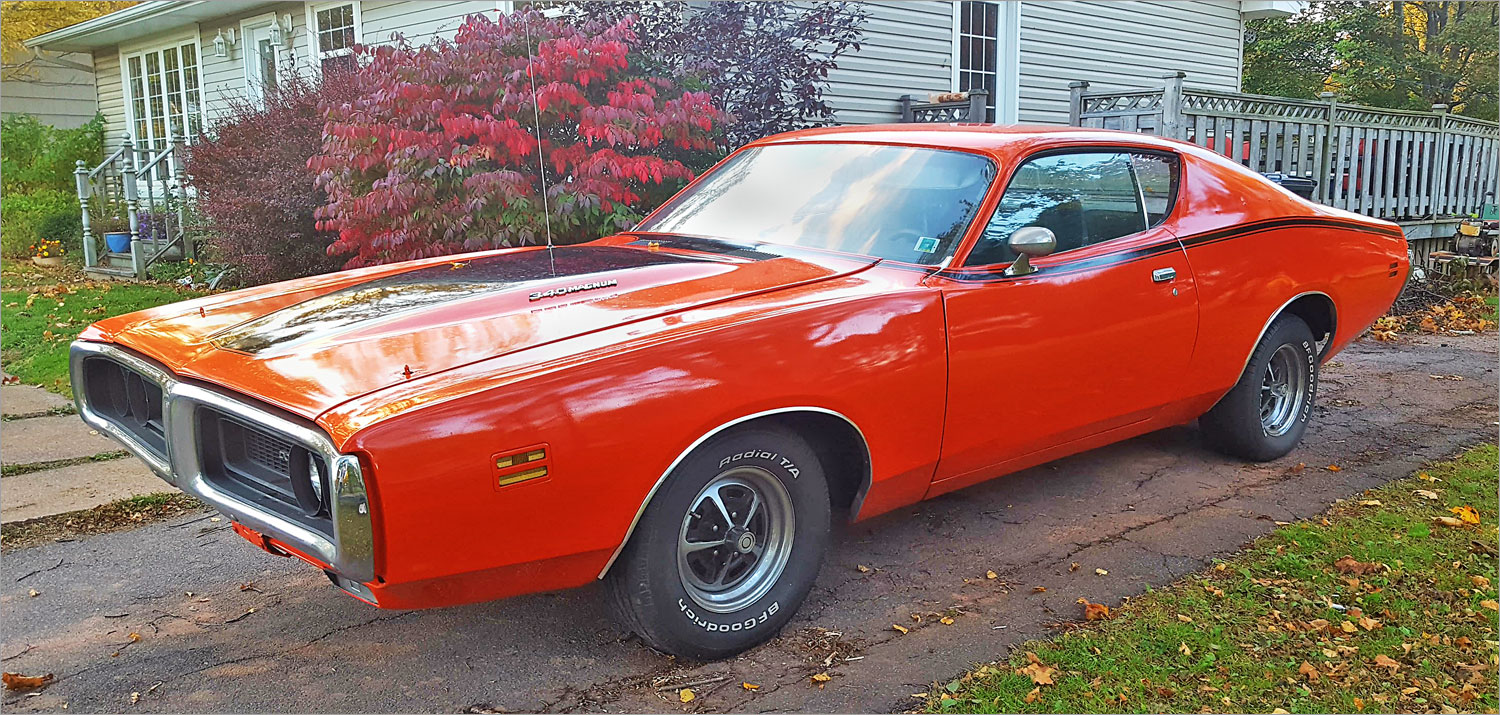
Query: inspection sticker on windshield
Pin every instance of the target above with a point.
(927, 244)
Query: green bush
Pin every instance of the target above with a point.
(39, 156)
(22, 213)
(65, 227)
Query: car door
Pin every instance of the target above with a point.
(1098, 338)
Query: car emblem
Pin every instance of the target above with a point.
(565, 290)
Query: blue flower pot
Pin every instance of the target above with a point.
(118, 241)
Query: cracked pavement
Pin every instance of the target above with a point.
(225, 627)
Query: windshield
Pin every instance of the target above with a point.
(893, 202)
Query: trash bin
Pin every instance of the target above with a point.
(1295, 184)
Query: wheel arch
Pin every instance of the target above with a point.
(1315, 308)
(841, 446)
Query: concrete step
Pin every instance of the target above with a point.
(48, 439)
(108, 273)
(81, 486)
(16, 400)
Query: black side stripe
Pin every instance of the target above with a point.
(990, 274)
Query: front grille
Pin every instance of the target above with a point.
(264, 468)
(128, 399)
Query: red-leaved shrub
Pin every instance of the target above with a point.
(256, 195)
(438, 151)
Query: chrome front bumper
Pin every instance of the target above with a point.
(351, 551)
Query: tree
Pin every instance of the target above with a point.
(443, 147)
(1407, 54)
(21, 20)
(765, 63)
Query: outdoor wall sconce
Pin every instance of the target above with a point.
(281, 30)
(223, 41)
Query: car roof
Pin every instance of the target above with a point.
(995, 139)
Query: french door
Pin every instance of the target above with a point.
(166, 98)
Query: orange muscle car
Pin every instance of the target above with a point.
(834, 321)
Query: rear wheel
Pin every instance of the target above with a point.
(1264, 416)
(728, 549)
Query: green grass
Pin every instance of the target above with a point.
(43, 310)
(1235, 637)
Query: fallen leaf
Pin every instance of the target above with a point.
(1490, 604)
(821, 679)
(1359, 703)
(1447, 521)
(247, 585)
(1466, 513)
(1479, 581)
(1424, 476)
(1370, 502)
(16, 681)
(135, 698)
(33, 593)
(1039, 674)
(1101, 572)
(1298, 468)
(1094, 611)
(991, 575)
(863, 568)
(1348, 627)
(1184, 618)
(1310, 671)
(686, 695)
(135, 637)
(1426, 493)
(1184, 649)
(1034, 694)
(1334, 468)
(1280, 711)
(1039, 589)
(1073, 566)
(1347, 564)
(900, 628)
(946, 620)
(1368, 623)
(752, 687)
(1385, 661)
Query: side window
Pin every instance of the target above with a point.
(1157, 175)
(1083, 198)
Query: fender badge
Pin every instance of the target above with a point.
(565, 290)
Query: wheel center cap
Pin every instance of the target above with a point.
(745, 542)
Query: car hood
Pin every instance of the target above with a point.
(309, 348)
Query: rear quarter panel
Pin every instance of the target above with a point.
(615, 409)
(1254, 247)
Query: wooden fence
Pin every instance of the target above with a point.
(1388, 163)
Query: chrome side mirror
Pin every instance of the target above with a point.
(1027, 242)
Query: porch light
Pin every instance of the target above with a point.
(223, 42)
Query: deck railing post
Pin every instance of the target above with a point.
(1330, 152)
(81, 182)
(1075, 102)
(1440, 166)
(1173, 124)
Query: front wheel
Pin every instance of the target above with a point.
(1264, 416)
(729, 548)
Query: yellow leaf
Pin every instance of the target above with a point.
(1359, 703)
(1348, 627)
(1184, 649)
(946, 620)
(686, 695)
(991, 575)
(750, 686)
(1184, 619)
(1424, 476)
(1479, 581)
(1490, 604)
(1370, 502)
(1466, 513)
(1039, 674)
(900, 628)
(1034, 694)
(1101, 572)
(1426, 494)
(863, 568)
(1334, 468)
(135, 637)
(1280, 711)
(821, 678)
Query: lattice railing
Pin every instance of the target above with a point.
(1389, 163)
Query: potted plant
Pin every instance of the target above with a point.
(116, 232)
(47, 253)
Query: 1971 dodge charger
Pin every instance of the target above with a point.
(833, 321)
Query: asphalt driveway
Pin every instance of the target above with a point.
(220, 626)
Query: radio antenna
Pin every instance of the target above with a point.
(536, 118)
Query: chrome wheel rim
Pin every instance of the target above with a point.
(1283, 389)
(735, 540)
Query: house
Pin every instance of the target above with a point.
(56, 88)
(164, 69)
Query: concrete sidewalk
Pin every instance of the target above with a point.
(54, 463)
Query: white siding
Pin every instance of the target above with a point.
(111, 96)
(56, 94)
(907, 49)
(1119, 45)
(417, 21)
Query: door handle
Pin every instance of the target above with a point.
(1162, 275)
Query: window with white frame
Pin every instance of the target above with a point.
(978, 58)
(334, 31)
(164, 95)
